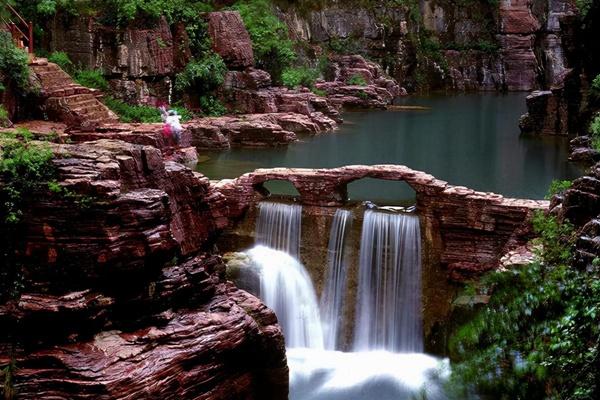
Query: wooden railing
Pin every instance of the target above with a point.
(21, 30)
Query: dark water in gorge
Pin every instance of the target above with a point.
(471, 140)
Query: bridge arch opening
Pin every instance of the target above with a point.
(277, 187)
(382, 192)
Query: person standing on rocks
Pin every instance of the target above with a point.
(172, 123)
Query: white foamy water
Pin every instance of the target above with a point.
(375, 375)
(287, 289)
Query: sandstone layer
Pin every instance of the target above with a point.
(121, 296)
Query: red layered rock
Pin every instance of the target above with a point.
(64, 100)
(466, 231)
(379, 89)
(143, 134)
(230, 39)
(104, 314)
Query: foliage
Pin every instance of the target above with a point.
(92, 79)
(357, 80)
(144, 114)
(62, 60)
(557, 187)
(300, 76)
(122, 12)
(595, 87)
(88, 78)
(202, 75)
(3, 116)
(131, 113)
(319, 92)
(13, 62)
(539, 335)
(273, 49)
(584, 6)
(25, 167)
(595, 131)
(8, 375)
(212, 107)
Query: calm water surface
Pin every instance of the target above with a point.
(470, 140)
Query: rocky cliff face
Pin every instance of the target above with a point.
(472, 45)
(122, 298)
(563, 107)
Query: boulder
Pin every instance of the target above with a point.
(230, 39)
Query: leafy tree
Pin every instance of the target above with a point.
(539, 336)
(273, 49)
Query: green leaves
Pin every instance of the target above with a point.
(273, 49)
(25, 167)
(302, 76)
(203, 75)
(539, 335)
(13, 62)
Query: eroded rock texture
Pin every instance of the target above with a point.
(122, 298)
(564, 107)
(230, 39)
(511, 44)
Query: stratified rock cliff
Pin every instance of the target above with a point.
(473, 45)
(121, 297)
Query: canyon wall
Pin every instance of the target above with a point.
(121, 296)
(564, 107)
(464, 45)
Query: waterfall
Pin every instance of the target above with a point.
(278, 227)
(388, 309)
(286, 288)
(334, 290)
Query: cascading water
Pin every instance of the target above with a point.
(286, 288)
(332, 297)
(388, 309)
(279, 227)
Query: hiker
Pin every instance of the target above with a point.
(172, 124)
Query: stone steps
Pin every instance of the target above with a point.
(67, 101)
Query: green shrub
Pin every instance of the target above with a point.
(557, 187)
(584, 6)
(595, 87)
(144, 114)
(212, 107)
(130, 113)
(25, 167)
(92, 79)
(202, 75)
(319, 92)
(595, 132)
(3, 116)
(357, 80)
(302, 76)
(13, 63)
(539, 337)
(62, 60)
(273, 50)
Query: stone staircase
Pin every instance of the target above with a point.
(66, 101)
